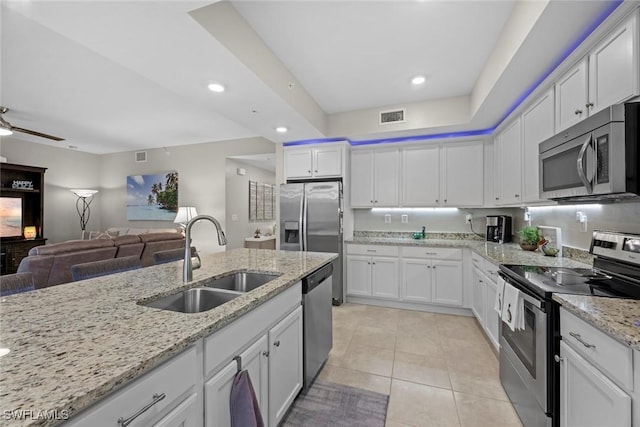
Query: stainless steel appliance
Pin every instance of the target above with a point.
(528, 371)
(596, 159)
(311, 220)
(317, 322)
(498, 228)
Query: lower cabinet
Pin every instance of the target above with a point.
(491, 318)
(428, 281)
(587, 396)
(183, 415)
(478, 303)
(484, 296)
(372, 276)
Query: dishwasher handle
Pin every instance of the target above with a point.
(314, 279)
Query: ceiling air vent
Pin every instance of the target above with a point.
(141, 156)
(392, 116)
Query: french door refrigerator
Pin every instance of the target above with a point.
(311, 220)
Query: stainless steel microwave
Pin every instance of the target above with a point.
(597, 159)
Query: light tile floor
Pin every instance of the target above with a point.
(439, 370)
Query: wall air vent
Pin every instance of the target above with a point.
(141, 156)
(392, 116)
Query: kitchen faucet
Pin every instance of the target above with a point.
(187, 268)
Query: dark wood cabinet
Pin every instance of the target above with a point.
(25, 183)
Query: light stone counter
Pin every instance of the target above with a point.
(72, 344)
(614, 316)
(506, 253)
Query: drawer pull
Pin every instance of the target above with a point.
(371, 250)
(156, 398)
(579, 338)
(430, 253)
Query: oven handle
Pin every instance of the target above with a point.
(528, 298)
(580, 165)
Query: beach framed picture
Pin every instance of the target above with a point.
(152, 197)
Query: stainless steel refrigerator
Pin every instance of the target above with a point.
(311, 220)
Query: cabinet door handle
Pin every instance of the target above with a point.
(497, 198)
(578, 112)
(480, 280)
(265, 353)
(517, 195)
(445, 200)
(371, 201)
(277, 343)
(436, 200)
(156, 398)
(589, 104)
(558, 359)
(373, 263)
(581, 341)
(316, 170)
(428, 266)
(434, 267)
(375, 201)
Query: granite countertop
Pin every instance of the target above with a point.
(505, 253)
(614, 316)
(72, 344)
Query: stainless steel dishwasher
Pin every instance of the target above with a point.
(317, 321)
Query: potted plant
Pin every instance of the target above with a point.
(529, 238)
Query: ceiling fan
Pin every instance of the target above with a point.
(7, 128)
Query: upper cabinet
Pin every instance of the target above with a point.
(608, 75)
(463, 175)
(324, 161)
(537, 126)
(374, 178)
(508, 148)
(421, 176)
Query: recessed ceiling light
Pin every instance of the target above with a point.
(216, 87)
(418, 80)
(281, 129)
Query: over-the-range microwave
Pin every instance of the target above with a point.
(597, 159)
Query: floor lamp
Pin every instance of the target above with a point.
(85, 197)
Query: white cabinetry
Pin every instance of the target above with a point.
(374, 178)
(537, 126)
(323, 161)
(372, 271)
(168, 393)
(463, 168)
(421, 176)
(285, 365)
(484, 294)
(508, 143)
(432, 275)
(596, 376)
(607, 76)
(269, 343)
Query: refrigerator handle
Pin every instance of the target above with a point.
(303, 223)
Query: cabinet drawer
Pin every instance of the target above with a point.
(173, 378)
(373, 250)
(432, 253)
(610, 356)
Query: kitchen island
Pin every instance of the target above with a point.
(73, 344)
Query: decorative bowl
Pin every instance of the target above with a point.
(549, 250)
(528, 246)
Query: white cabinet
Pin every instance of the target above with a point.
(184, 415)
(432, 275)
(537, 126)
(491, 319)
(463, 179)
(607, 76)
(372, 271)
(478, 301)
(421, 176)
(587, 396)
(509, 144)
(313, 162)
(285, 365)
(372, 276)
(484, 295)
(374, 178)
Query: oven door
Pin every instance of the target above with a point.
(526, 350)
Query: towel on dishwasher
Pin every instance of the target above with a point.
(512, 308)
(243, 404)
(497, 304)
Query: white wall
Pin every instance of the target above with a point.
(237, 202)
(66, 169)
(201, 172)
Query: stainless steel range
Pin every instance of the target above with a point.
(528, 372)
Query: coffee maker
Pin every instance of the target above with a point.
(498, 228)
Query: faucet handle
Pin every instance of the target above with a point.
(195, 260)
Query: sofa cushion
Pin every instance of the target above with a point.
(61, 268)
(71, 246)
(128, 245)
(127, 239)
(156, 237)
(155, 242)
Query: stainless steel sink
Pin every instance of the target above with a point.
(243, 281)
(194, 300)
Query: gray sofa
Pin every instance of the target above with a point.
(51, 264)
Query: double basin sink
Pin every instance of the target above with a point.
(212, 293)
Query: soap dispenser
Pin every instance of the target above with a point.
(424, 231)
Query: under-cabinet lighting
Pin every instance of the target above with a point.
(414, 209)
(594, 206)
